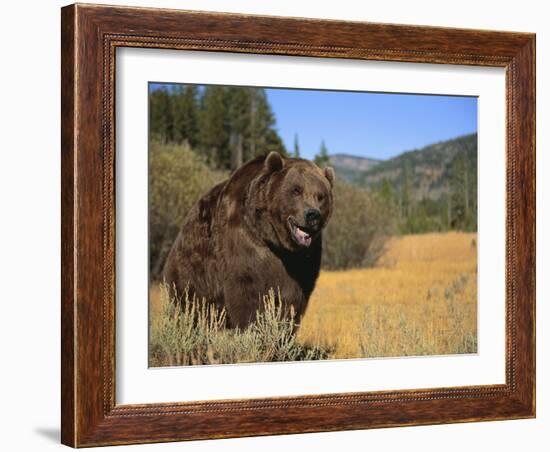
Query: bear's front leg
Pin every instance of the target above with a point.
(244, 297)
(242, 300)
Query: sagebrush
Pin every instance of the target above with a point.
(189, 331)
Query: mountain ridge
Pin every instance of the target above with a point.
(425, 172)
(350, 167)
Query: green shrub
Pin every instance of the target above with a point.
(358, 230)
(177, 179)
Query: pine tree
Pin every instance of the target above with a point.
(239, 121)
(185, 103)
(386, 192)
(406, 186)
(253, 127)
(449, 211)
(296, 152)
(274, 143)
(463, 189)
(161, 115)
(322, 159)
(213, 136)
(267, 139)
(229, 125)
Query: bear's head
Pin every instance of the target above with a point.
(290, 202)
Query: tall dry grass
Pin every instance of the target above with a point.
(421, 299)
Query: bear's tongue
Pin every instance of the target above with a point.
(302, 237)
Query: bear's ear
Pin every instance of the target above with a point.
(330, 175)
(273, 162)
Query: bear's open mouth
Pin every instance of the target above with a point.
(300, 234)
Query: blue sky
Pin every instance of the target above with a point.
(376, 125)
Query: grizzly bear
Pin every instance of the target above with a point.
(260, 229)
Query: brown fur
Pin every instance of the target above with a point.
(236, 243)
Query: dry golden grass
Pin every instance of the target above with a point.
(155, 302)
(420, 300)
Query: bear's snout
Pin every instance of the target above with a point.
(312, 216)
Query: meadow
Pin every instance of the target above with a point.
(419, 299)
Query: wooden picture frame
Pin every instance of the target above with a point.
(90, 35)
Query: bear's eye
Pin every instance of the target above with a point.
(320, 197)
(297, 191)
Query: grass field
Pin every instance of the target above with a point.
(419, 300)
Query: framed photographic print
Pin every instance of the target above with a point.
(282, 225)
